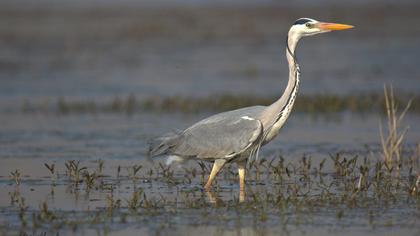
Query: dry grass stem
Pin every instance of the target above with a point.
(392, 142)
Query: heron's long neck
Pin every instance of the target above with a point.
(286, 101)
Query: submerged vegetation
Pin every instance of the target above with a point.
(313, 104)
(278, 191)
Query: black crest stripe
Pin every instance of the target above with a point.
(301, 21)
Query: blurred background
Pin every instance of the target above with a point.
(94, 80)
(102, 49)
(94, 51)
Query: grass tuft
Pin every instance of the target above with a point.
(392, 141)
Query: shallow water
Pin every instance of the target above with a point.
(181, 206)
(122, 136)
(91, 51)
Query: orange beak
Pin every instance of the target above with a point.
(333, 26)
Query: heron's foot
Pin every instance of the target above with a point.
(211, 198)
(207, 187)
(241, 195)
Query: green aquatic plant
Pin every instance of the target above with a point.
(74, 170)
(16, 176)
(132, 171)
(342, 165)
(167, 173)
(414, 188)
(22, 211)
(45, 215)
(101, 164)
(118, 171)
(51, 168)
(363, 178)
(14, 196)
(89, 179)
(112, 204)
(299, 191)
(134, 201)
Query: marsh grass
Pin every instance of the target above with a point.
(51, 168)
(277, 191)
(89, 179)
(74, 170)
(311, 104)
(133, 170)
(16, 176)
(392, 140)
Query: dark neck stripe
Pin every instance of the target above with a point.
(290, 51)
(290, 97)
(296, 80)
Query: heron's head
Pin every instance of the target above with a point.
(308, 27)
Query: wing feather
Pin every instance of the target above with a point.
(223, 135)
(223, 138)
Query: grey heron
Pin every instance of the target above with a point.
(237, 135)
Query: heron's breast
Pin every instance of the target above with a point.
(274, 131)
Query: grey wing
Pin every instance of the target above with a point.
(216, 136)
(219, 138)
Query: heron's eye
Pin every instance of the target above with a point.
(309, 25)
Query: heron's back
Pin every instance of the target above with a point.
(223, 135)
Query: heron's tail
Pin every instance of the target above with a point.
(162, 145)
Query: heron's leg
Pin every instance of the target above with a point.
(217, 166)
(241, 172)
